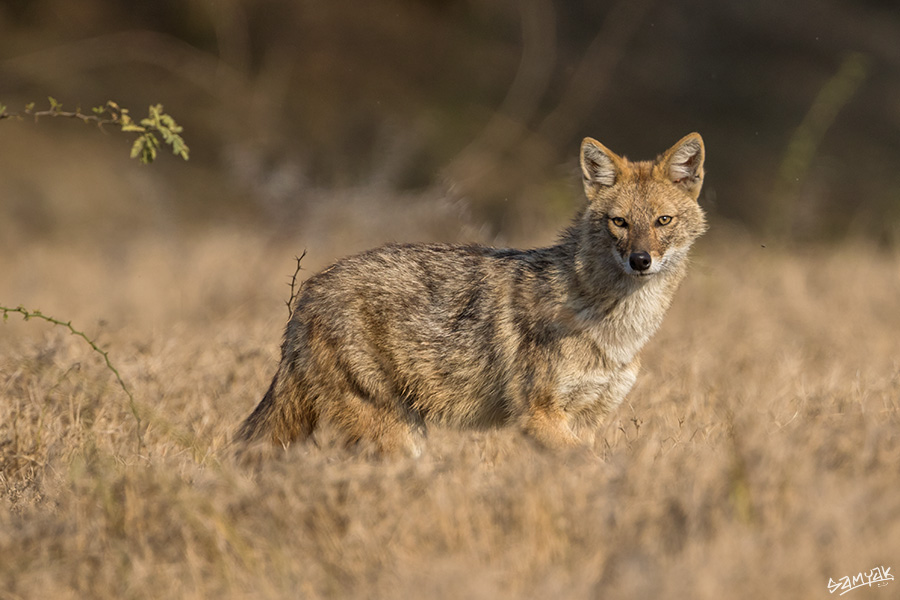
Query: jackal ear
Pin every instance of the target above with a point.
(684, 163)
(598, 163)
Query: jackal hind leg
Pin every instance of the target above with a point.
(380, 425)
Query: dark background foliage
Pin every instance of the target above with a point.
(482, 100)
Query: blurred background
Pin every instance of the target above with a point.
(315, 120)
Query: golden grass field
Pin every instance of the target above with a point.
(758, 456)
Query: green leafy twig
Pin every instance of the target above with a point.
(145, 146)
(36, 314)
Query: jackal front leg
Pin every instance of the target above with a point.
(549, 426)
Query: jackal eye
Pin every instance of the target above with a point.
(664, 220)
(619, 222)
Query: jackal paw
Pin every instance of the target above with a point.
(551, 431)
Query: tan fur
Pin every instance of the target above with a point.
(384, 342)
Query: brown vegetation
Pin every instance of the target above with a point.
(756, 457)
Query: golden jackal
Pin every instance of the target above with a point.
(383, 342)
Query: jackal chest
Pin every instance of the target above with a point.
(601, 388)
(587, 376)
(620, 332)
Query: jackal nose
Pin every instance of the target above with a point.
(639, 261)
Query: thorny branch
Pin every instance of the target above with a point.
(36, 314)
(294, 290)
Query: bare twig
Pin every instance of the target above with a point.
(294, 290)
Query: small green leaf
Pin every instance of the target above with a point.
(168, 129)
(132, 127)
(54, 105)
(170, 123)
(138, 147)
(29, 107)
(155, 112)
(2, 108)
(153, 119)
(144, 148)
(181, 149)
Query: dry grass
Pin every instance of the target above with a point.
(757, 456)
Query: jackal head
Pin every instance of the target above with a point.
(645, 212)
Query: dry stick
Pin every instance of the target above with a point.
(27, 314)
(290, 302)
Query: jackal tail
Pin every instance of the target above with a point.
(282, 416)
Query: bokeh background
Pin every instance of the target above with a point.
(306, 118)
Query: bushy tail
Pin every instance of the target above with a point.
(284, 415)
(258, 424)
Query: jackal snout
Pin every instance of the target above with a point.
(640, 261)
